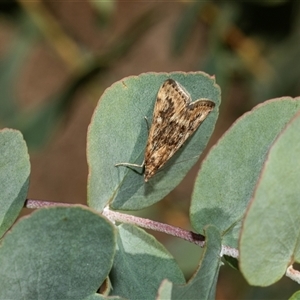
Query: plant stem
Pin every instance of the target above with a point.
(114, 216)
(33, 203)
(189, 236)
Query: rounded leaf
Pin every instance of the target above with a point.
(14, 176)
(118, 134)
(203, 283)
(270, 236)
(59, 253)
(140, 265)
(295, 296)
(229, 173)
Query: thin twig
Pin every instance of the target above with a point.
(226, 250)
(114, 216)
(33, 203)
(189, 236)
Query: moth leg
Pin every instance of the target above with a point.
(131, 165)
(148, 127)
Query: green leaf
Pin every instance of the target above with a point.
(270, 237)
(295, 296)
(56, 253)
(37, 123)
(140, 264)
(95, 297)
(118, 133)
(203, 283)
(229, 173)
(14, 176)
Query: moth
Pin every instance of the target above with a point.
(175, 119)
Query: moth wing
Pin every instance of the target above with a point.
(175, 118)
(190, 119)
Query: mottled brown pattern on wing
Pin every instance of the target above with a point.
(175, 118)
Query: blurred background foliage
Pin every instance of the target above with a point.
(57, 58)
